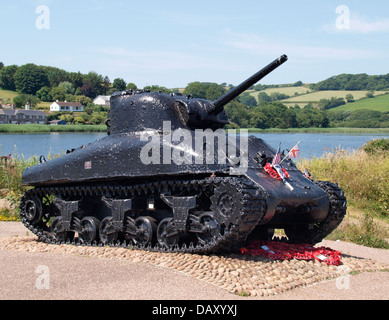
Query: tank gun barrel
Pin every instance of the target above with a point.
(232, 94)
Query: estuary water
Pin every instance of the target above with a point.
(311, 145)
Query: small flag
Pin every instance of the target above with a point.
(277, 157)
(294, 152)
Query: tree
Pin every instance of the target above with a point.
(349, 98)
(55, 75)
(88, 90)
(7, 80)
(69, 89)
(78, 120)
(1, 65)
(312, 118)
(58, 93)
(105, 85)
(156, 88)
(119, 84)
(263, 97)
(248, 100)
(196, 89)
(76, 79)
(95, 81)
(29, 78)
(44, 94)
(130, 86)
(214, 91)
(22, 99)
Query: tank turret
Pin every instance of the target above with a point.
(137, 110)
(134, 185)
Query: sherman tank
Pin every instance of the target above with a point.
(168, 177)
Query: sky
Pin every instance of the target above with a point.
(172, 43)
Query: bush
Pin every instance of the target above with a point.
(376, 146)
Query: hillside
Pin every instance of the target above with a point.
(316, 96)
(302, 95)
(380, 103)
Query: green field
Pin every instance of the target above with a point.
(380, 103)
(7, 94)
(318, 95)
(303, 95)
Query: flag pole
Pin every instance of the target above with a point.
(290, 152)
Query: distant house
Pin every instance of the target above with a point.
(67, 106)
(102, 101)
(20, 116)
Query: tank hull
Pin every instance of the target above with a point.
(118, 159)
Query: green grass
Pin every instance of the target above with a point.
(35, 128)
(364, 178)
(380, 103)
(328, 94)
(8, 94)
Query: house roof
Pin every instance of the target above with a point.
(13, 112)
(69, 104)
(105, 98)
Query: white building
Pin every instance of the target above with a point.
(67, 106)
(102, 101)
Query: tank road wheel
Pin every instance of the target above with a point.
(226, 205)
(211, 229)
(316, 233)
(166, 234)
(59, 232)
(146, 228)
(90, 229)
(32, 210)
(107, 231)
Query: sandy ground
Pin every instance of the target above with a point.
(23, 276)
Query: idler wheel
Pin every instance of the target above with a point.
(90, 229)
(33, 211)
(211, 229)
(108, 233)
(146, 227)
(166, 233)
(59, 231)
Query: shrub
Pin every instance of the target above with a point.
(376, 146)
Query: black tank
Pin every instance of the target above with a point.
(168, 177)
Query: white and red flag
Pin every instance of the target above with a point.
(294, 152)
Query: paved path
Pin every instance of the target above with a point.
(23, 276)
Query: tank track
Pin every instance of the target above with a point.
(238, 221)
(337, 211)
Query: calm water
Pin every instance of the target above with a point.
(312, 144)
